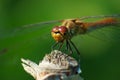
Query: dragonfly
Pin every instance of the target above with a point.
(72, 27)
(69, 28)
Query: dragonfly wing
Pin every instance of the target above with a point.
(27, 37)
(41, 23)
(110, 33)
(99, 16)
(106, 28)
(26, 28)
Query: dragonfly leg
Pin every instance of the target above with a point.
(69, 47)
(53, 46)
(61, 44)
(67, 43)
(74, 47)
(56, 44)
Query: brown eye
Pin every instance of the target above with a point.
(55, 29)
(63, 29)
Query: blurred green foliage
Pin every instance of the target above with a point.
(99, 59)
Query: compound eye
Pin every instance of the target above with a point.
(55, 29)
(63, 30)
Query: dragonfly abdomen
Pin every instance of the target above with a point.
(101, 24)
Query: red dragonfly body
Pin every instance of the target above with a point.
(73, 27)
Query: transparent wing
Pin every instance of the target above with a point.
(26, 28)
(101, 31)
(111, 33)
(106, 32)
(98, 40)
(99, 16)
(27, 38)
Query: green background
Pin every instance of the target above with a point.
(100, 59)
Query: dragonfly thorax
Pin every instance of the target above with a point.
(74, 26)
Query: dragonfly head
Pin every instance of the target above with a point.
(59, 33)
